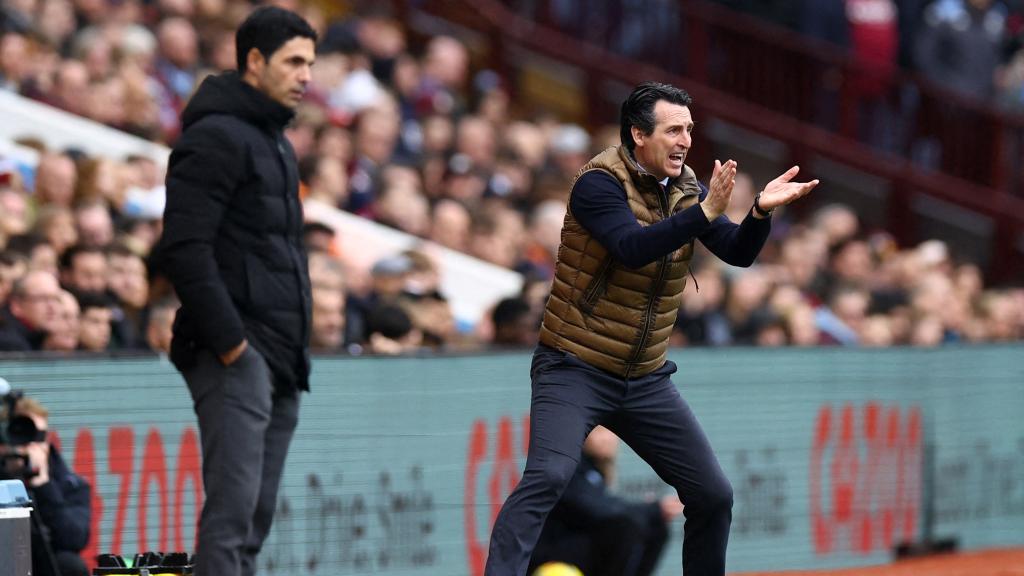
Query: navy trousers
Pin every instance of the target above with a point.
(569, 398)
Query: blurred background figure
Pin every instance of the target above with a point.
(34, 306)
(601, 533)
(515, 325)
(61, 498)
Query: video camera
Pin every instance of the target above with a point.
(15, 431)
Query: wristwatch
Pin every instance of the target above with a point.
(757, 207)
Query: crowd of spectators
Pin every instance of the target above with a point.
(411, 135)
(974, 47)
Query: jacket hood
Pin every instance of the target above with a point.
(226, 93)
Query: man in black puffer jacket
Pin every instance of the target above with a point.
(232, 248)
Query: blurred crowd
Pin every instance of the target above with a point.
(975, 47)
(407, 132)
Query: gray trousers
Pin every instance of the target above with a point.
(245, 429)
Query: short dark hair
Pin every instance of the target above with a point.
(509, 311)
(267, 29)
(390, 321)
(638, 108)
(67, 259)
(25, 244)
(89, 300)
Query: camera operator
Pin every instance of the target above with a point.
(61, 498)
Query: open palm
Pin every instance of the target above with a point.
(782, 190)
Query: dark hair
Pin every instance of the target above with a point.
(89, 300)
(389, 320)
(25, 244)
(266, 30)
(308, 166)
(67, 259)
(12, 258)
(509, 311)
(638, 108)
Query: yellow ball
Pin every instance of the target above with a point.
(557, 569)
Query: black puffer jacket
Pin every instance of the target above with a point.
(232, 243)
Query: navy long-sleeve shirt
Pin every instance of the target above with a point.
(599, 204)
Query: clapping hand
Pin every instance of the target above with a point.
(719, 189)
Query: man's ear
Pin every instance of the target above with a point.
(637, 133)
(16, 308)
(254, 61)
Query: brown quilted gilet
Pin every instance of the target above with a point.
(612, 317)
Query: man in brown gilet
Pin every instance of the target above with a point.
(634, 213)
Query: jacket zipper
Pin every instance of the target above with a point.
(596, 287)
(645, 331)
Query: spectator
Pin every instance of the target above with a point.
(325, 180)
(84, 269)
(32, 310)
(475, 139)
(843, 318)
(702, 321)
(958, 44)
(389, 277)
(39, 254)
(95, 323)
(126, 278)
(99, 182)
(14, 216)
(317, 237)
(57, 225)
(63, 335)
(743, 298)
(56, 177)
(569, 150)
(850, 262)
(769, 329)
(602, 533)
(159, 325)
(14, 60)
(128, 287)
(497, 236)
(12, 266)
(390, 331)
(450, 224)
(444, 74)
(376, 137)
(94, 225)
(328, 327)
(514, 324)
(405, 208)
(742, 197)
(70, 82)
(802, 327)
(876, 331)
(178, 56)
(544, 236)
